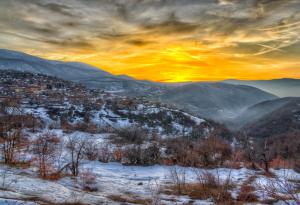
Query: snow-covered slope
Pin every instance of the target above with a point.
(23, 62)
(77, 104)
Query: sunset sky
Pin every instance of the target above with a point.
(161, 40)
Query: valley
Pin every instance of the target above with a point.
(146, 151)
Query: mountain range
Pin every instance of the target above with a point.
(220, 101)
(76, 72)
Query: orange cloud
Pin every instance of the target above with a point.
(155, 40)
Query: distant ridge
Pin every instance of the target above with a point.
(218, 101)
(258, 111)
(76, 72)
(279, 117)
(284, 87)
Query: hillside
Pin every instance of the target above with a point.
(217, 101)
(281, 87)
(257, 111)
(54, 101)
(77, 72)
(273, 118)
(220, 101)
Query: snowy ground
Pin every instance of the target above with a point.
(112, 179)
(21, 186)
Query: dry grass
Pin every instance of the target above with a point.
(130, 199)
(207, 187)
(204, 191)
(21, 164)
(70, 203)
(53, 176)
(281, 189)
(42, 201)
(246, 194)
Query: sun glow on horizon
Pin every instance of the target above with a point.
(159, 40)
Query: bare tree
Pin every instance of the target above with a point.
(46, 147)
(91, 149)
(248, 149)
(214, 151)
(155, 189)
(265, 157)
(104, 153)
(178, 177)
(76, 147)
(11, 140)
(11, 124)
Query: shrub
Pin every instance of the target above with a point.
(104, 153)
(178, 177)
(214, 151)
(130, 135)
(88, 181)
(138, 155)
(178, 150)
(151, 154)
(117, 154)
(246, 194)
(210, 152)
(132, 155)
(91, 150)
(207, 187)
